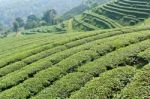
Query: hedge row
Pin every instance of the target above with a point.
(126, 14)
(46, 77)
(139, 87)
(136, 2)
(101, 50)
(30, 44)
(129, 12)
(36, 57)
(41, 64)
(24, 72)
(114, 59)
(102, 24)
(63, 87)
(103, 18)
(47, 91)
(130, 8)
(90, 34)
(145, 55)
(9, 70)
(7, 60)
(27, 47)
(106, 19)
(9, 46)
(131, 91)
(97, 22)
(105, 86)
(135, 5)
(114, 14)
(89, 26)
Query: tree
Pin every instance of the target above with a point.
(15, 26)
(1, 27)
(20, 21)
(32, 22)
(50, 17)
(33, 18)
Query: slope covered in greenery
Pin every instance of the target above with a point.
(58, 62)
(98, 64)
(114, 14)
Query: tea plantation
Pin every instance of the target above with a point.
(99, 64)
(115, 14)
(95, 63)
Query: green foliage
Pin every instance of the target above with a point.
(113, 15)
(106, 85)
(60, 66)
(50, 17)
(113, 60)
(15, 26)
(139, 87)
(1, 26)
(20, 21)
(100, 64)
(64, 86)
(32, 22)
(12, 9)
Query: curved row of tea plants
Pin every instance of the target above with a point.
(116, 14)
(65, 65)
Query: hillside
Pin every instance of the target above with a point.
(99, 64)
(114, 14)
(103, 53)
(10, 9)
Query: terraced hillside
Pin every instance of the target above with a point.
(101, 64)
(114, 14)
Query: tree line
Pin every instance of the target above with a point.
(49, 18)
